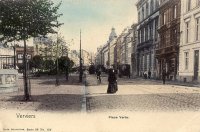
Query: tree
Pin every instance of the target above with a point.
(48, 65)
(23, 19)
(36, 62)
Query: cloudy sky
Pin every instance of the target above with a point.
(95, 18)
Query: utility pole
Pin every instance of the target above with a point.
(14, 48)
(57, 70)
(81, 70)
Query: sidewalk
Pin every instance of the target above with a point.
(188, 84)
(133, 80)
(45, 96)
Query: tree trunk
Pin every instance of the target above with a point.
(26, 90)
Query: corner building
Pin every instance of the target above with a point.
(189, 66)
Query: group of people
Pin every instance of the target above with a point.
(112, 80)
(147, 75)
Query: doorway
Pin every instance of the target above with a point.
(196, 64)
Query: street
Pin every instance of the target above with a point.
(141, 95)
(139, 105)
(133, 95)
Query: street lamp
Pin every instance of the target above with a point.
(57, 42)
(80, 61)
(14, 58)
(57, 70)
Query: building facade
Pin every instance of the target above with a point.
(6, 58)
(134, 51)
(168, 49)
(20, 54)
(189, 66)
(148, 22)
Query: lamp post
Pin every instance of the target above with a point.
(57, 70)
(80, 61)
(14, 58)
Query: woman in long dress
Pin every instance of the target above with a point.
(112, 82)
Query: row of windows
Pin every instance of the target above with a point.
(170, 14)
(147, 9)
(188, 30)
(146, 33)
(189, 4)
(186, 59)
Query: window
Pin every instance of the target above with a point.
(142, 13)
(20, 56)
(157, 3)
(156, 29)
(152, 6)
(188, 5)
(187, 32)
(198, 2)
(186, 60)
(147, 8)
(146, 33)
(139, 16)
(175, 11)
(198, 29)
(164, 18)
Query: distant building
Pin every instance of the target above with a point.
(134, 51)
(6, 58)
(74, 56)
(105, 55)
(20, 54)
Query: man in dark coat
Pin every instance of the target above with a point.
(163, 76)
(98, 72)
(112, 82)
(149, 74)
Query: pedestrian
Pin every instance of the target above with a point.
(145, 75)
(112, 81)
(98, 73)
(67, 73)
(163, 76)
(149, 74)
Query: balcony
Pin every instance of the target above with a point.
(167, 50)
(145, 44)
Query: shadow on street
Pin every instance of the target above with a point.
(49, 102)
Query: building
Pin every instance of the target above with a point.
(106, 54)
(86, 58)
(128, 46)
(20, 54)
(111, 46)
(148, 22)
(74, 56)
(112, 52)
(98, 56)
(123, 46)
(134, 51)
(45, 47)
(169, 31)
(190, 41)
(6, 58)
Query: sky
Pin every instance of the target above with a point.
(94, 18)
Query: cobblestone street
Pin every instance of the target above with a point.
(141, 95)
(139, 105)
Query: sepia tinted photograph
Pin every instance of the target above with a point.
(99, 65)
